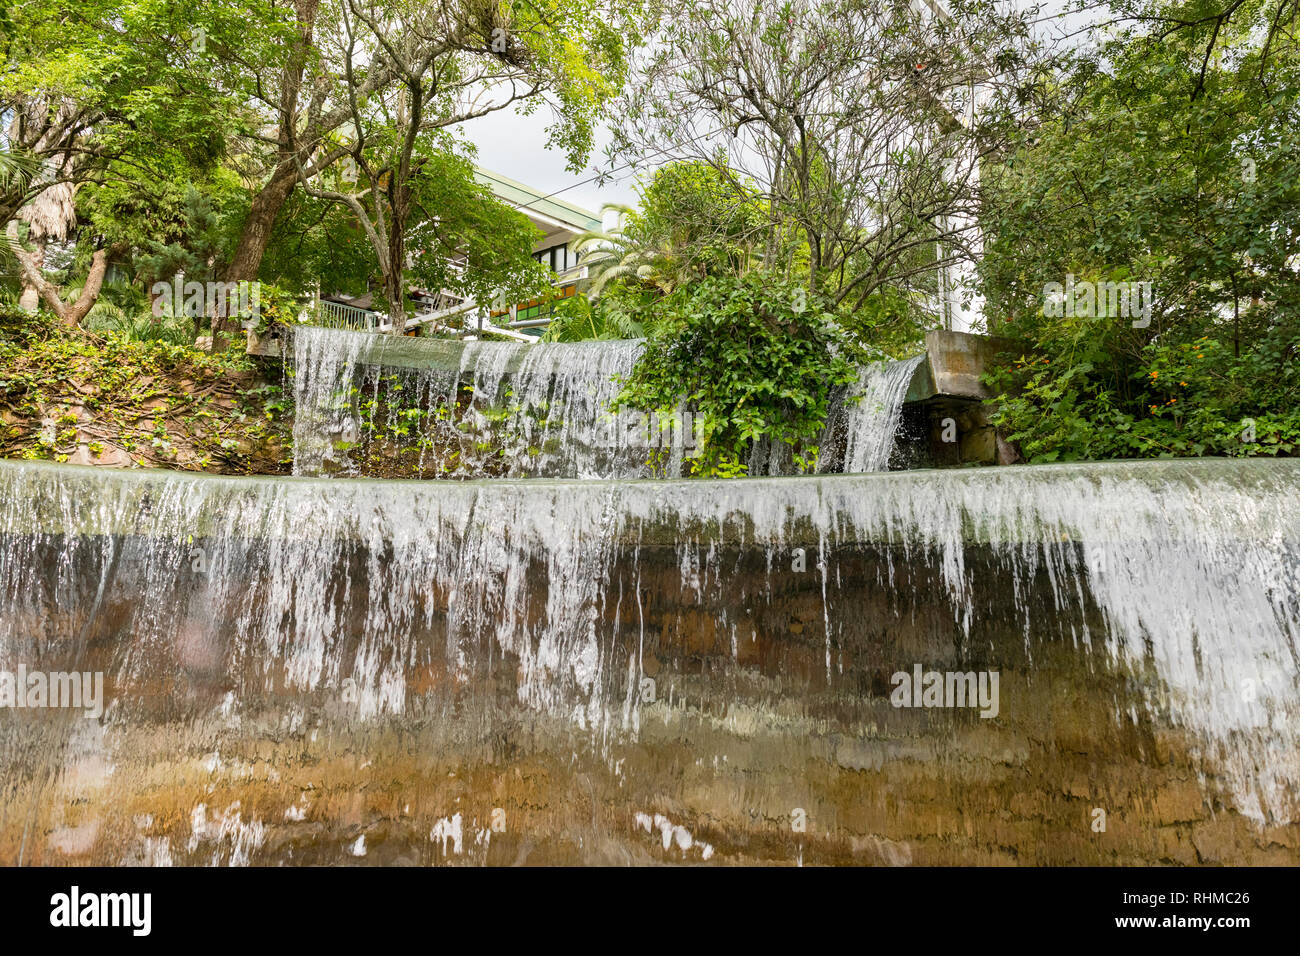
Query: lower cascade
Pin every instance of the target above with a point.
(920, 667)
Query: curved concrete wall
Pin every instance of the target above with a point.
(302, 671)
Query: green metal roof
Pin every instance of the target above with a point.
(517, 194)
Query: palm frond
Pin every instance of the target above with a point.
(17, 170)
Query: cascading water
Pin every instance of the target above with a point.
(507, 410)
(291, 665)
(555, 406)
(542, 410)
(325, 423)
(860, 427)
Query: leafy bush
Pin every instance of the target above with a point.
(155, 402)
(618, 314)
(696, 209)
(753, 357)
(22, 328)
(142, 327)
(1198, 196)
(1075, 389)
(277, 306)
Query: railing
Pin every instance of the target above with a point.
(474, 318)
(336, 315)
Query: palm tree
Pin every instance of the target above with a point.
(16, 171)
(50, 215)
(618, 253)
(579, 321)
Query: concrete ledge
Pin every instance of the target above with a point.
(393, 351)
(954, 363)
(83, 500)
(269, 344)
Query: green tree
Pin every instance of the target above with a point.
(451, 61)
(693, 221)
(1163, 167)
(856, 122)
(470, 243)
(96, 92)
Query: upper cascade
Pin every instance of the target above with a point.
(535, 411)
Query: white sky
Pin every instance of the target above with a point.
(512, 145)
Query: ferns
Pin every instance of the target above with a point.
(123, 308)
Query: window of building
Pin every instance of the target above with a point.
(556, 258)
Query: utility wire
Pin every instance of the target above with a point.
(666, 149)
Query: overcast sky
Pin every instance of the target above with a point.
(513, 145)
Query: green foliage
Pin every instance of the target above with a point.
(616, 256)
(16, 170)
(313, 241)
(618, 314)
(889, 323)
(578, 50)
(122, 310)
(149, 402)
(276, 306)
(170, 226)
(754, 357)
(462, 218)
(692, 222)
(843, 117)
(1149, 177)
(154, 84)
(140, 327)
(696, 209)
(695, 222)
(176, 116)
(20, 328)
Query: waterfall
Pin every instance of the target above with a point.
(553, 408)
(860, 428)
(540, 410)
(325, 423)
(1136, 612)
(536, 411)
(861, 425)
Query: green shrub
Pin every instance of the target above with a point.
(1199, 196)
(753, 358)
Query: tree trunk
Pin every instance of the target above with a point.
(69, 314)
(394, 279)
(253, 240)
(256, 233)
(30, 298)
(73, 314)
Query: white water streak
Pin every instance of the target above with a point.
(1194, 567)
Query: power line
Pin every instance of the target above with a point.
(1066, 13)
(611, 171)
(666, 149)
